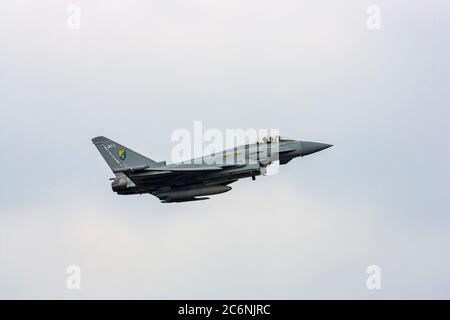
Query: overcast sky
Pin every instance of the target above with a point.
(137, 70)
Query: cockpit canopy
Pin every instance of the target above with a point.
(270, 139)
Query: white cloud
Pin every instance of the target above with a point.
(243, 245)
(137, 72)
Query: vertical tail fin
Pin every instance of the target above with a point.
(118, 156)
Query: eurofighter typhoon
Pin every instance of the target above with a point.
(199, 177)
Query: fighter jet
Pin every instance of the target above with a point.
(199, 177)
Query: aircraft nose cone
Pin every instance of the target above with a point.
(312, 147)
